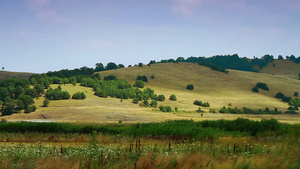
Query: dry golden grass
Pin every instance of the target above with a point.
(285, 68)
(217, 88)
(22, 75)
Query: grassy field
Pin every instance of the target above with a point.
(217, 88)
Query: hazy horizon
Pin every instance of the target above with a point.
(47, 35)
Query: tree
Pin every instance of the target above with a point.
(121, 66)
(40, 89)
(27, 100)
(73, 80)
(190, 87)
(46, 102)
(296, 94)
(99, 67)
(262, 86)
(140, 64)
(111, 65)
(255, 89)
(139, 84)
(153, 103)
(2, 68)
(161, 97)
(142, 78)
(279, 95)
(280, 57)
(173, 97)
(110, 77)
(79, 96)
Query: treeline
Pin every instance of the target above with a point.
(178, 129)
(223, 62)
(247, 110)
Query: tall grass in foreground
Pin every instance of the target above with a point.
(189, 154)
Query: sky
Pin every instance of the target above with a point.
(49, 35)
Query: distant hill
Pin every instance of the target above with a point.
(6, 74)
(285, 68)
(217, 88)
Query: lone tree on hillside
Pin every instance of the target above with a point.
(190, 87)
(3, 69)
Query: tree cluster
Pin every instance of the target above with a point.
(57, 94)
(79, 96)
(246, 110)
(17, 95)
(200, 103)
(165, 108)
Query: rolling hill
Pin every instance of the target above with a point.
(219, 89)
(6, 74)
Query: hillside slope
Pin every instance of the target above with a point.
(219, 89)
(6, 74)
(285, 68)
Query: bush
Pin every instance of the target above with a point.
(29, 109)
(262, 86)
(161, 97)
(190, 87)
(142, 78)
(296, 94)
(173, 97)
(279, 95)
(46, 102)
(139, 84)
(255, 89)
(212, 111)
(291, 112)
(286, 99)
(135, 100)
(79, 96)
(153, 103)
(110, 77)
(165, 108)
(199, 103)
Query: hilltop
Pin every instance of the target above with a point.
(7, 74)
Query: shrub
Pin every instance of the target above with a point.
(296, 94)
(279, 95)
(139, 84)
(142, 78)
(165, 108)
(161, 97)
(199, 103)
(29, 109)
(212, 111)
(291, 112)
(255, 89)
(46, 102)
(286, 99)
(153, 103)
(135, 100)
(173, 97)
(79, 96)
(110, 77)
(152, 77)
(262, 86)
(190, 87)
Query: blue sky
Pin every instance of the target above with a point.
(47, 35)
